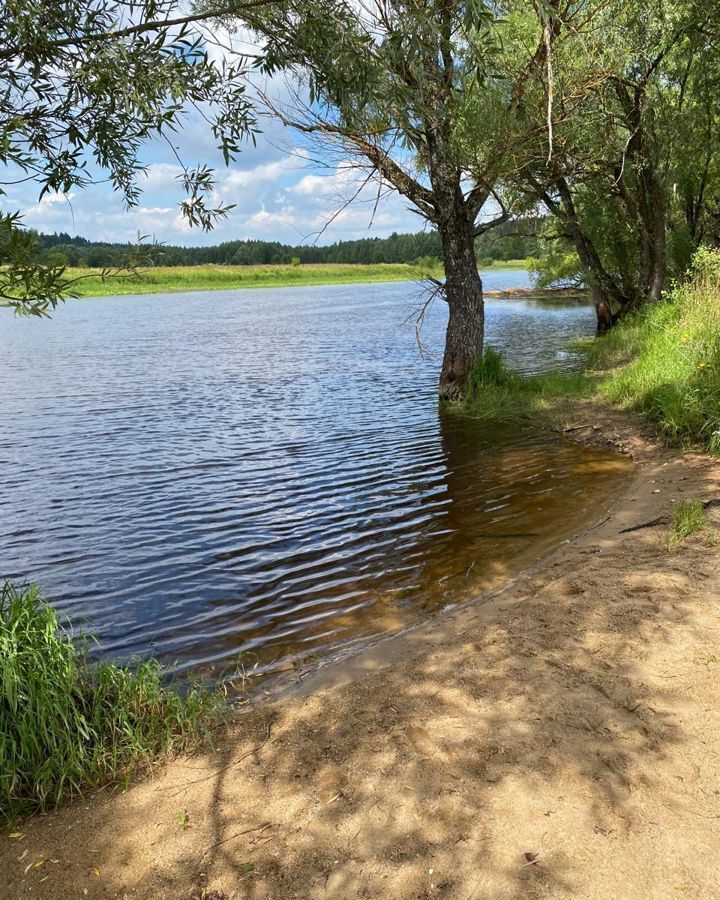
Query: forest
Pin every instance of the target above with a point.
(508, 241)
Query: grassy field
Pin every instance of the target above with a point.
(205, 278)
(663, 362)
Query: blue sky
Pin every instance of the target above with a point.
(279, 195)
(278, 191)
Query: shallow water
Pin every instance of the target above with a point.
(195, 475)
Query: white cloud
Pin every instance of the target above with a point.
(57, 197)
(278, 195)
(266, 173)
(160, 175)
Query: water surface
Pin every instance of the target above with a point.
(200, 474)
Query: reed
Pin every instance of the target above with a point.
(66, 724)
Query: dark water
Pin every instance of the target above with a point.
(200, 474)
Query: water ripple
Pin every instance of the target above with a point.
(267, 471)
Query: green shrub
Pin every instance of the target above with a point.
(67, 725)
(558, 266)
(429, 264)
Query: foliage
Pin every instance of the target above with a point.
(634, 171)
(27, 286)
(558, 266)
(413, 96)
(84, 84)
(66, 725)
(689, 517)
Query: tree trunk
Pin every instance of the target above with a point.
(603, 310)
(604, 286)
(464, 295)
(656, 225)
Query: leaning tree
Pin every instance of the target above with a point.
(392, 85)
(634, 173)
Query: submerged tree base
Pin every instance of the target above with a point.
(663, 361)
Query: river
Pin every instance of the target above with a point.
(266, 472)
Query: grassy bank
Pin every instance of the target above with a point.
(664, 362)
(204, 278)
(67, 725)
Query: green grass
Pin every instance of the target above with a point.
(497, 393)
(663, 362)
(669, 358)
(689, 517)
(167, 279)
(205, 278)
(67, 725)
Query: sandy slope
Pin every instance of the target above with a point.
(558, 740)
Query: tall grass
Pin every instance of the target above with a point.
(671, 353)
(689, 517)
(67, 725)
(495, 392)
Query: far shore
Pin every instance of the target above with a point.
(177, 279)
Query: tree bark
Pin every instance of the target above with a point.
(605, 289)
(464, 296)
(656, 226)
(603, 310)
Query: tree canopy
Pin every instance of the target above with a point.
(85, 83)
(632, 181)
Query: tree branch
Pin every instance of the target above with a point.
(13, 51)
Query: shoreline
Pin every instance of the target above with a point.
(190, 279)
(554, 740)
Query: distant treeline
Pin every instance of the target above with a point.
(502, 243)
